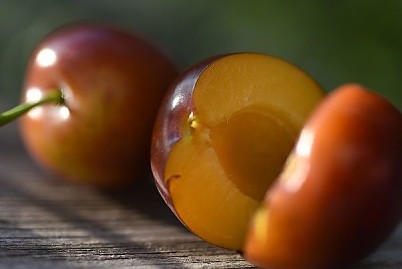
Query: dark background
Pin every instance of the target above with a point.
(335, 41)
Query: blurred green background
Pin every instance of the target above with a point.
(335, 41)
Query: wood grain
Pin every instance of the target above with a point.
(46, 222)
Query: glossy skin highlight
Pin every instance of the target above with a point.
(113, 83)
(340, 194)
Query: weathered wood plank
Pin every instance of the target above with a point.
(49, 223)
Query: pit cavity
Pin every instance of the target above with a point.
(252, 147)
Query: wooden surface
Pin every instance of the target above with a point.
(46, 222)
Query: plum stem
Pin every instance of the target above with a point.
(52, 97)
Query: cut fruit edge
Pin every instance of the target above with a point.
(190, 193)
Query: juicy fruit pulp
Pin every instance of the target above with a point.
(242, 119)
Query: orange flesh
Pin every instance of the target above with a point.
(205, 200)
(249, 110)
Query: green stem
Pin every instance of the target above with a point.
(54, 96)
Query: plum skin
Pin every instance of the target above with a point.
(113, 83)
